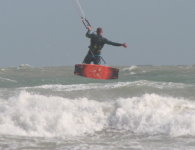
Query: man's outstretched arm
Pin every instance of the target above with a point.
(115, 44)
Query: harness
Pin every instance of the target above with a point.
(96, 45)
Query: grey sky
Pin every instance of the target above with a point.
(50, 32)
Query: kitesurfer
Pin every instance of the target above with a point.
(97, 43)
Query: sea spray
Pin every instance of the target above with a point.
(154, 114)
(37, 115)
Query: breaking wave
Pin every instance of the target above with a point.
(31, 114)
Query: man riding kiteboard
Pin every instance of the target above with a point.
(97, 43)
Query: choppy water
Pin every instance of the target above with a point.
(148, 107)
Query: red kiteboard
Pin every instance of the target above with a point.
(96, 71)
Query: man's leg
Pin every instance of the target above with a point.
(87, 60)
(97, 60)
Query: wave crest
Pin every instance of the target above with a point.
(36, 115)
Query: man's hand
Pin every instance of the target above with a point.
(124, 45)
(89, 28)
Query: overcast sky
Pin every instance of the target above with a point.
(50, 33)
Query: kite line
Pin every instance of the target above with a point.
(80, 11)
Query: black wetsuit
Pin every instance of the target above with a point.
(97, 43)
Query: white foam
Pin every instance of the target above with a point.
(5, 79)
(134, 69)
(155, 114)
(91, 86)
(37, 115)
(130, 68)
(78, 87)
(26, 65)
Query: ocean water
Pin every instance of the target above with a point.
(148, 107)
